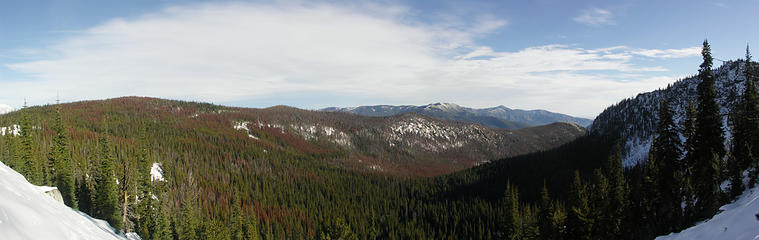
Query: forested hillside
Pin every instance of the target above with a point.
(293, 172)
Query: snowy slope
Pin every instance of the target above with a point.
(26, 212)
(737, 221)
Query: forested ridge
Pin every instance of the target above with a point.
(220, 184)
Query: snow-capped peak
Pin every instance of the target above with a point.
(444, 106)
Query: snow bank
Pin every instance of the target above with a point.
(737, 220)
(26, 212)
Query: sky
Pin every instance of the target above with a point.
(573, 57)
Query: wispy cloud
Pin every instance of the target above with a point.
(240, 52)
(719, 4)
(669, 53)
(595, 17)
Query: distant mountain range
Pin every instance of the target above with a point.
(496, 117)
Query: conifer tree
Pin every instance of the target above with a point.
(665, 170)
(161, 227)
(689, 126)
(545, 219)
(709, 143)
(61, 155)
(599, 205)
(84, 195)
(236, 222)
(337, 229)
(558, 219)
(746, 132)
(251, 228)
(106, 202)
(618, 190)
(144, 191)
(126, 192)
(579, 222)
(745, 118)
(188, 221)
(511, 224)
(29, 168)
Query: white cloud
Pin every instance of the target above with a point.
(595, 17)
(669, 53)
(4, 108)
(239, 52)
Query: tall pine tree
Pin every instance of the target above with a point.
(709, 146)
(689, 126)
(666, 170)
(618, 190)
(746, 131)
(106, 202)
(145, 205)
(511, 224)
(61, 155)
(599, 205)
(545, 216)
(29, 167)
(579, 221)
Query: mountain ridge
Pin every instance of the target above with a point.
(497, 117)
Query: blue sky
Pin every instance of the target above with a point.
(574, 57)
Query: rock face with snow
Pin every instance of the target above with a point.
(496, 117)
(737, 220)
(634, 119)
(27, 212)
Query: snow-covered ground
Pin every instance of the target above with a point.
(737, 221)
(26, 212)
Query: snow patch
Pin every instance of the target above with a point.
(156, 173)
(12, 130)
(737, 220)
(244, 126)
(637, 151)
(241, 126)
